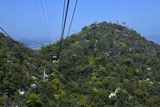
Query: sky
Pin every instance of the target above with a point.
(28, 20)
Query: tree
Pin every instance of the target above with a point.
(33, 101)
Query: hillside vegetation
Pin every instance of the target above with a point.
(104, 65)
(20, 68)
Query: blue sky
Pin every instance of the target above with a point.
(23, 19)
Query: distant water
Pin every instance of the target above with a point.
(35, 45)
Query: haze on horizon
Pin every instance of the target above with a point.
(24, 21)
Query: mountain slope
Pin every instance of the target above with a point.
(109, 65)
(21, 74)
(104, 65)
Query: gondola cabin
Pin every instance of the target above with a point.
(54, 58)
(45, 76)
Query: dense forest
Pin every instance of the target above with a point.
(103, 65)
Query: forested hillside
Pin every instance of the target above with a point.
(104, 65)
(21, 74)
(106, 57)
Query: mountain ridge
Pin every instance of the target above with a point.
(103, 57)
(105, 64)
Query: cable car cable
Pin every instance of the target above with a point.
(72, 17)
(54, 56)
(44, 16)
(39, 7)
(4, 32)
(64, 5)
(64, 25)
